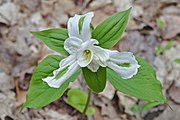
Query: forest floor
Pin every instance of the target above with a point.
(153, 24)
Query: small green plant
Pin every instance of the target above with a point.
(177, 60)
(159, 49)
(78, 99)
(135, 109)
(85, 49)
(160, 23)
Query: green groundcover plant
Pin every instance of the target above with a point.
(85, 49)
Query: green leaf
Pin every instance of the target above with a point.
(109, 32)
(39, 93)
(135, 109)
(144, 85)
(150, 105)
(158, 50)
(77, 99)
(95, 80)
(177, 60)
(169, 45)
(160, 23)
(53, 38)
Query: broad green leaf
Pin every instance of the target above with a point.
(144, 85)
(150, 105)
(39, 93)
(109, 32)
(160, 23)
(95, 80)
(137, 109)
(160, 50)
(53, 38)
(177, 60)
(77, 99)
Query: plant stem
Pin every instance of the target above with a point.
(87, 102)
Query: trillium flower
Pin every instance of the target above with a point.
(87, 50)
(84, 52)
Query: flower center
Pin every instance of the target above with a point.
(87, 54)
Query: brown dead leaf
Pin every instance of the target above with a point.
(20, 95)
(172, 26)
(7, 105)
(151, 8)
(109, 9)
(98, 115)
(109, 91)
(170, 1)
(139, 44)
(8, 13)
(122, 4)
(6, 82)
(171, 10)
(166, 69)
(126, 101)
(99, 3)
(108, 109)
(21, 98)
(174, 93)
(168, 114)
(99, 17)
(47, 7)
(26, 71)
(32, 5)
(55, 115)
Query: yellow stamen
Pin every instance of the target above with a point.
(87, 54)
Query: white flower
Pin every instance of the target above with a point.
(84, 52)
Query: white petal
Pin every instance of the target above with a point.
(86, 30)
(84, 59)
(67, 61)
(101, 54)
(94, 65)
(64, 63)
(87, 44)
(73, 26)
(52, 82)
(116, 58)
(121, 57)
(72, 44)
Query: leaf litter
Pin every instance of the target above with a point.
(20, 52)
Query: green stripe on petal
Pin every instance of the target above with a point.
(61, 73)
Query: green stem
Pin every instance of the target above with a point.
(87, 102)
